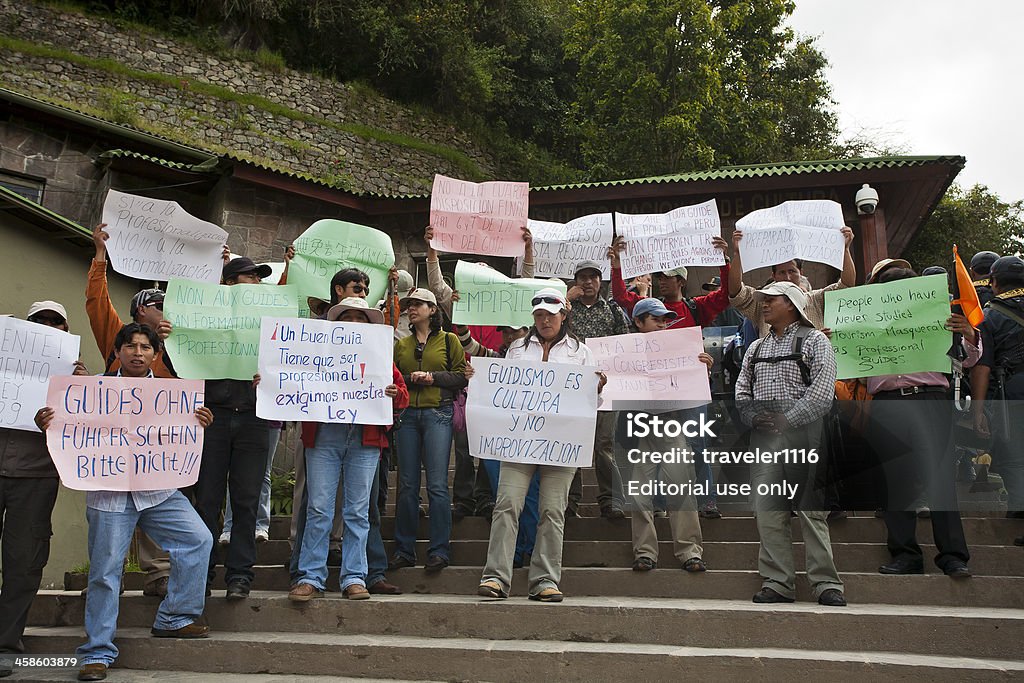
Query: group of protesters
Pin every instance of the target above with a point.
(785, 391)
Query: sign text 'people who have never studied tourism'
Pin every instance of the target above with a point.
(652, 371)
(125, 433)
(30, 354)
(892, 328)
(532, 412)
(664, 241)
(329, 246)
(320, 371)
(153, 239)
(478, 218)
(805, 229)
(486, 297)
(217, 327)
(559, 247)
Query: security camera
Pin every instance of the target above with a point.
(867, 199)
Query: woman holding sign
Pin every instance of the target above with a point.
(549, 340)
(433, 366)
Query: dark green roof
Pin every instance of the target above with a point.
(766, 170)
(39, 215)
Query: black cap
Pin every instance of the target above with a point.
(934, 270)
(244, 264)
(1008, 267)
(982, 262)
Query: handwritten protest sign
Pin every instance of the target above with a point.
(807, 229)
(889, 329)
(217, 327)
(125, 433)
(532, 412)
(30, 354)
(663, 241)
(478, 218)
(652, 370)
(329, 246)
(486, 297)
(320, 371)
(153, 239)
(559, 247)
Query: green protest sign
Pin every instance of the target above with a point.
(486, 297)
(890, 329)
(217, 327)
(330, 245)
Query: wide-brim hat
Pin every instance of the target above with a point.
(355, 303)
(886, 264)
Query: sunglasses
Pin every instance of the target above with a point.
(359, 289)
(418, 352)
(546, 300)
(49, 321)
(158, 305)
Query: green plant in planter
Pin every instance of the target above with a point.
(282, 489)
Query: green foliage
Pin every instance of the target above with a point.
(270, 60)
(80, 568)
(976, 220)
(282, 490)
(117, 106)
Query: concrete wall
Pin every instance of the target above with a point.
(39, 266)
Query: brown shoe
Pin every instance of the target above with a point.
(96, 671)
(384, 588)
(193, 630)
(356, 592)
(156, 589)
(304, 592)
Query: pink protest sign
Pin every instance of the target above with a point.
(125, 433)
(478, 218)
(656, 371)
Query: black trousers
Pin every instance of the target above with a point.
(25, 508)
(234, 453)
(471, 487)
(913, 436)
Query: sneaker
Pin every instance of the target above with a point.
(225, 538)
(237, 590)
(710, 510)
(304, 592)
(262, 536)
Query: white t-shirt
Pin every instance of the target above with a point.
(567, 350)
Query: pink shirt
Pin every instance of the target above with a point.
(922, 379)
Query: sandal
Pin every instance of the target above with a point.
(644, 564)
(548, 595)
(491, 589)
(694, 565)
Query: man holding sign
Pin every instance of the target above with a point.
(165, 515)
(28, 479)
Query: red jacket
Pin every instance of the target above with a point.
(373, 435)
(708, 306)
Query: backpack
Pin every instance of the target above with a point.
(798, 355)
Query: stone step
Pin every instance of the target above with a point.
(863, 587)
(978, 632)
(512, 660)
(119, 675)
(992, 560)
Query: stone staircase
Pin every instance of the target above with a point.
(614, 625)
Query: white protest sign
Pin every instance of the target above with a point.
(153, 239)
(320, 371)
(532, 412)
(663, 241)
(807, 229)
(30, 354)
(656, 371)
(559, 247)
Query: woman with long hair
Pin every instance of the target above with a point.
(549, 340)
(433, 365)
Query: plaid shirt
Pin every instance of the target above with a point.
(603, 319)
(779, 386)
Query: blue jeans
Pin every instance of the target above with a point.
(175, 526)
(528, 518)
(339, 447)
(424, 441)
(263, 512)
(701, 467)
(376, 556)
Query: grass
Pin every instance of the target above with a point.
(130, 565)
(117, 106)
(457, 158)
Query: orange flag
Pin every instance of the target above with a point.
(968, 296)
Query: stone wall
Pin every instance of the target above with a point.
(305, 139)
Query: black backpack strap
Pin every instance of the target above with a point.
(798, 355)
(999, 305)
(694, 312)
